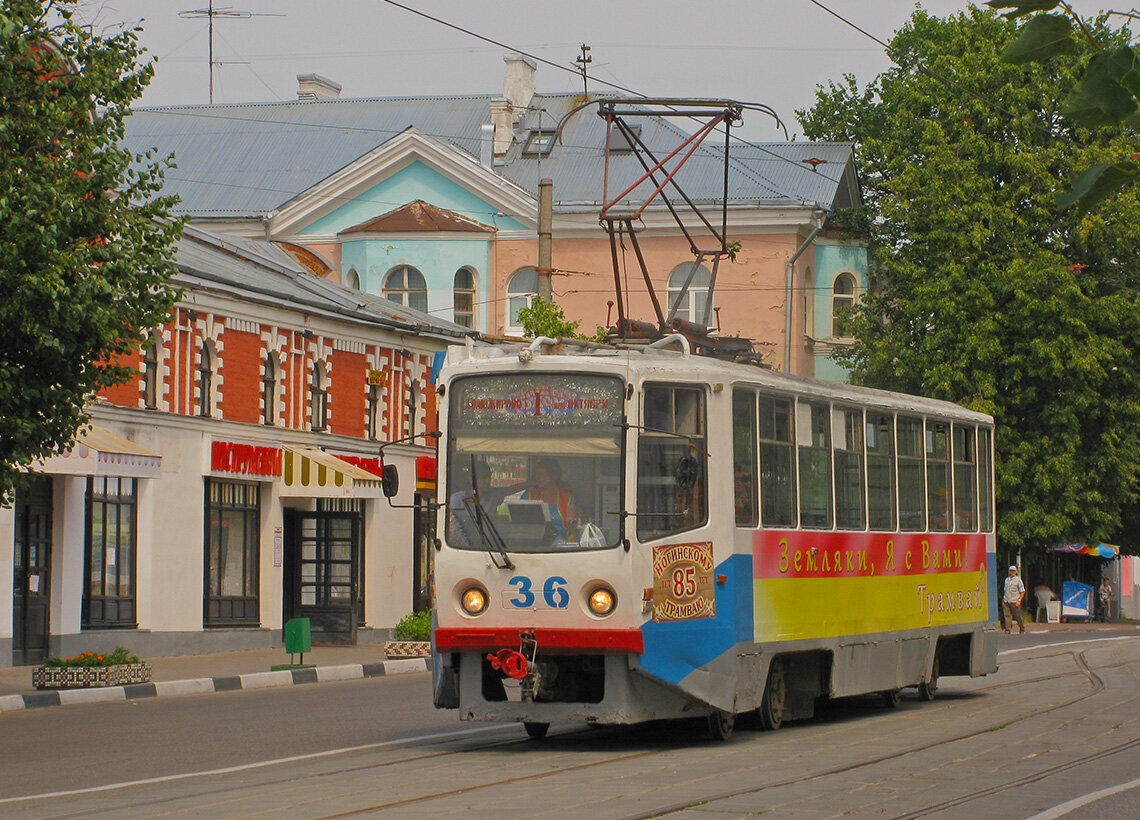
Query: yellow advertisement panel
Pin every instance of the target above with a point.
(815, 585)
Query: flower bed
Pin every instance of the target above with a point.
(90, 669)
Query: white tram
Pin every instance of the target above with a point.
(717, 538)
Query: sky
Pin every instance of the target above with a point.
(774, 52)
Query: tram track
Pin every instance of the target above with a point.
(1080, 662)
(1097, 686)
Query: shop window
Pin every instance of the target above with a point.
(233, 526)
(111, 547)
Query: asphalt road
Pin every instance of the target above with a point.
(1058, 726)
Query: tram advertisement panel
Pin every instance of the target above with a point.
(821, 584)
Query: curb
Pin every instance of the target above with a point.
(199, 686)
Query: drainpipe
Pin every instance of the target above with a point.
(545, 235)
(789, 280)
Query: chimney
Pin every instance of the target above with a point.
(518, 84)
(316, 87)
(504, 125)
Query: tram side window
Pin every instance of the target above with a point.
(672, 493)
(777, 463)
(744, 456)
(938, 498)
(848, 426)
(815, 465)
(912, 484)
(880, 471)
(985, 486)
(965, 479)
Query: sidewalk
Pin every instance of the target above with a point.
(222, 672)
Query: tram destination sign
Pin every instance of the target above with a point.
(550, 401)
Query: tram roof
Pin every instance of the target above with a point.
(664, 363)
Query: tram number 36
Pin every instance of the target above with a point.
(554, 594)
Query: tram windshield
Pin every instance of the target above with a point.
(534, 462)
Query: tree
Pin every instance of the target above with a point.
(544, 318)
(85, 238)
(985, 294)
(1107, 94)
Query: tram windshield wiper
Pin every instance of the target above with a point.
(489, 536)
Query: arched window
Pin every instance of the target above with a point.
(464, 298)
(692, 304)
(521, 290)
(318, 399)
(842, 302)
(406, 286)
(206, 365)
(352, 279)
(150, 369)
(269, 381)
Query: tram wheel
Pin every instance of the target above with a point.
(928, 688)
(721, 725)
(775, 697)
(892, 698)
(536, 731)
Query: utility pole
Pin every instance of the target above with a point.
(583, 60)
(210, 13)
(545, 238)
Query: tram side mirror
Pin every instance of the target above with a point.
(686, 471)
(389, 480)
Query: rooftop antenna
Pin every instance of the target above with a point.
(583, 60)
(210, 12)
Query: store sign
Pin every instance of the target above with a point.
(245, 459)
(377, 377)
(369, 463)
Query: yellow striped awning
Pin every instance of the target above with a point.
(310, 473)
(99, 452)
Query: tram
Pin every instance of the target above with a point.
(634, 533)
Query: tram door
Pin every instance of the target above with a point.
(31, 580)
(322, 562)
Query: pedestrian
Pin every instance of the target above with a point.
(1105, 594)
(1012, 599)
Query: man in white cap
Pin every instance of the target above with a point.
(1014, 595)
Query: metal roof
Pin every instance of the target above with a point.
(247, 160)
(259, 271)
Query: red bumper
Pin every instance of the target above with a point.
(603, 641)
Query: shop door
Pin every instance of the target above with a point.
(321, 568)
(31, 581)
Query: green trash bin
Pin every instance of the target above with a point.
(298, 637)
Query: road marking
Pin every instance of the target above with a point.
(1064, 808)
(1066, 643)
(249, 766)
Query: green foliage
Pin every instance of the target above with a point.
(1106, 95)
(544, 318)
(415, 626)
(85, 236)
(117, 658)
(985, 294)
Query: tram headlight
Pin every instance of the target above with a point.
(601, 601)
(473, 600)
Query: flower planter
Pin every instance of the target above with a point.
(407, 649)
(82, 677)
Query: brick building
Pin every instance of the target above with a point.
(234, 482)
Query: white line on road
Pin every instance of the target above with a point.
(1064, 808)
(248, 766)
(1067, 643)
